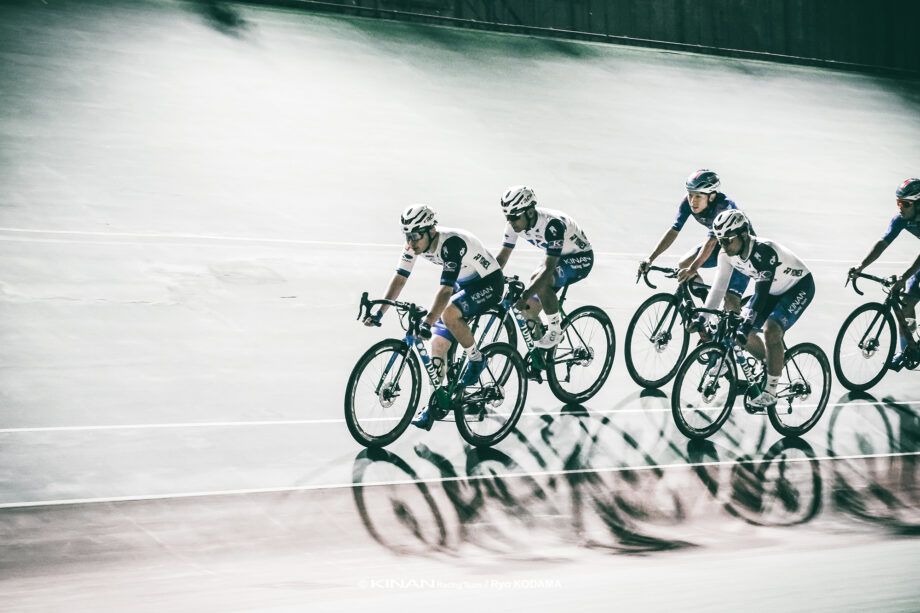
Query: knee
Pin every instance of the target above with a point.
(732, 303)
(773, 333)
(451, 316)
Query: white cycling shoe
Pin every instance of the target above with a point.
(550, 338)
(764, 401)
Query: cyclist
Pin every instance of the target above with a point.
(908, 218)
(569, 257)
(783, 288)
(704, 201)
(471, 282)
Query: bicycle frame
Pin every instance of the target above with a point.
(444, 388)
(514, 292)
(894, 302)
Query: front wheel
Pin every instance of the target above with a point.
(487, 411)
(578, 366)
(864, 346)
(704, 390)
(382, 394)
(803, 390)
(656, 341)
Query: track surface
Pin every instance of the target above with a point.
(190, 209)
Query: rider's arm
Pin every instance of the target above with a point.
(873, 255)
(705, 251)
(765, 261)
(509, 240)
(720, 285)
(666, 241)
(393, 289)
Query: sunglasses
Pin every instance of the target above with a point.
(513, 217)
(417, 235)
(727, 240)
(905, 204)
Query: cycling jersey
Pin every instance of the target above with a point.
(720, 203)
(773, 268)
(554, 232)
(898, 224)
(461, 255)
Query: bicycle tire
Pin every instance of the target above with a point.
(702, 356)
(654, 380)
(359, 431)
(789, 381)
(572, 344)
(864, 383)
(475, 404)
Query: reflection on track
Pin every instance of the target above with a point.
(583, 479)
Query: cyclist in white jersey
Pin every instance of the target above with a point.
(471, 282)
(569, 256)
(783, 288)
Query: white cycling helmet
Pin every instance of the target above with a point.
(730, 222)
(417, 217)
(518, 198)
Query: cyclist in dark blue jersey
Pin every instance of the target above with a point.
(908, 218)
(704, 202)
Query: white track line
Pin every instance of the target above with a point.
(292, 241)
(335, 486)
(339, 420)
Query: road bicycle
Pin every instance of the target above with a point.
(867, 339)
(707, 383)
(578, 366)
(657, 338)
(384, 389)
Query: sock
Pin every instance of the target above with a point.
(554, 320)
(472, 354)
(903, 340)
(772, 382)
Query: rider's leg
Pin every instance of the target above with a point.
(908, 311)
(755, 346)
(453, 319)
(773, 334)
(440, 345)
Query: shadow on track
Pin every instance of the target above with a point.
(585, 480)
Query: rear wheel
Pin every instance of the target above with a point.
(579, 365)
(656, 341)
(864, 346)
(382, 394)
(803, 390)
(487, 411)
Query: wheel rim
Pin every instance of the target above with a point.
(703, 397)
(861, 362)
(655, 350)
(378, 412)
(581, 361)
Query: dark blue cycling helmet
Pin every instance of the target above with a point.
(909, 190)
(705, 181)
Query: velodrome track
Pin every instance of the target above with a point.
(188, 215)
